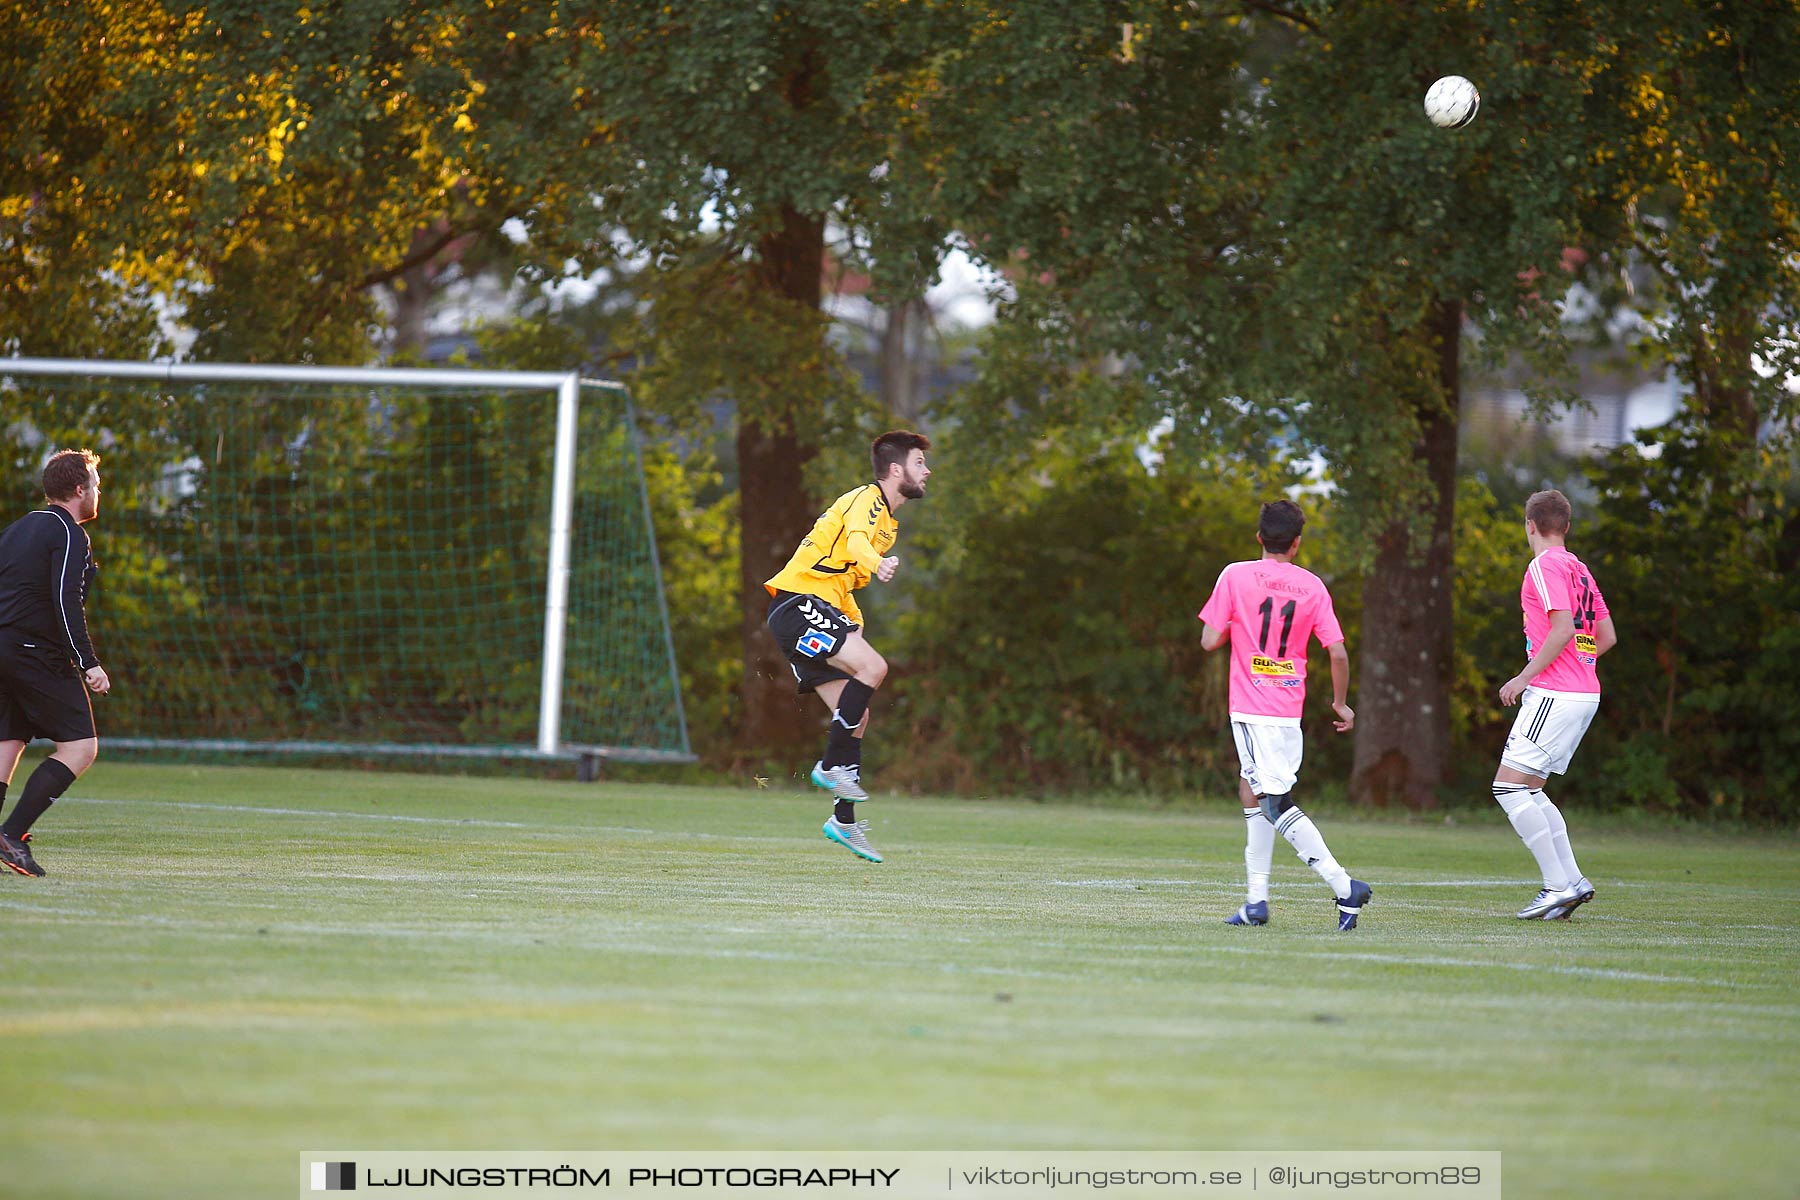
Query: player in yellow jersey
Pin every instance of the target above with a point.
(815, 619)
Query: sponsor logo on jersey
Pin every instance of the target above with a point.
(1275, 584)
(1587, 650)
(1262, 665)
(816, 642)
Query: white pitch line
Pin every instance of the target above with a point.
(302, 812)
(1390, 881)
(1483, 964)
(471, 822)
(1128, 884)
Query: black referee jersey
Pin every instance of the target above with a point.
(46, 569)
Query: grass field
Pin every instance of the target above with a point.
(228, 966)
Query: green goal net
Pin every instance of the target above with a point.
(397, 562)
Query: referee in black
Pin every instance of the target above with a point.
(46, 568)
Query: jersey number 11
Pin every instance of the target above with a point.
(1267, 609)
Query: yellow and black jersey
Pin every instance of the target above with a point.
(843, 551)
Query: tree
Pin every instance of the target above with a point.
(1579, 144)
(1247, 206)
(1702, 190)
(1697, 524)
(725, 142)
(302, 159)
(260, 173)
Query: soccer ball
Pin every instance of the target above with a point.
(1452, 101)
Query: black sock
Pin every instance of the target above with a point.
(846, 809)
(2, 794)
(49, 781)
(852, 706)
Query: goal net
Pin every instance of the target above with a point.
(315, 561)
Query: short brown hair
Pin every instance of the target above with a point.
(1549, 511)
(66, 471)
(1278, 524)
(894, 447)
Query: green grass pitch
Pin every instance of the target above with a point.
(228, 966)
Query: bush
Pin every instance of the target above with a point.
(1688, 548)
(1056, 645)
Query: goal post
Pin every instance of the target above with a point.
(337, 560)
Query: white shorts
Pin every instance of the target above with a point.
(1269, 756)
(1546, 732)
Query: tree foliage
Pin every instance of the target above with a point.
(1698, 561)
(1229, 218)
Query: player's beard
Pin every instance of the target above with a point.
(913, 491)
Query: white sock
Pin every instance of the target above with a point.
(1559, 834)
(1529, 823)
(1309, 844)
(1259, 848)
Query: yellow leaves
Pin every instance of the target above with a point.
(463, 123)
(279, 137)
(13, 207)
(134, 264)
(1646, 94)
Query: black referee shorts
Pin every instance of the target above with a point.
(41, 694)
(809, 631)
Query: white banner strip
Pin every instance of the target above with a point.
(913, 1174)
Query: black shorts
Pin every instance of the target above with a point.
(41, 694)
(809, 631)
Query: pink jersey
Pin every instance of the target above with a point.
(1555, 580)
(1269, 609)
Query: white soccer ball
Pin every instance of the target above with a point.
(1452, 102)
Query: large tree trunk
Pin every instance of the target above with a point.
(1403, 684)
(903, 364)
(1722, 387)
(775, 511)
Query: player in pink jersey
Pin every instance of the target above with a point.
(1567, 629)
(1268, 609)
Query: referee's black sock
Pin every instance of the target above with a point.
(841, 744)
(50, 780)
